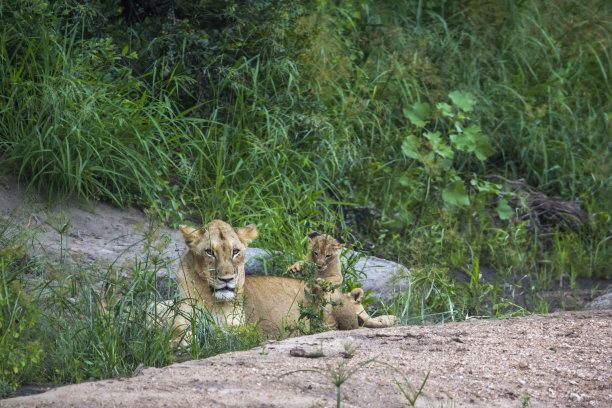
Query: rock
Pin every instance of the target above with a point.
(382, 276)
(602, 302)
(256, 261)
(383, 358)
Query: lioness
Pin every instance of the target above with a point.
(211, 276)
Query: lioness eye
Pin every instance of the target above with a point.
(315, 253)
(210, 252)
(235, 251)
(328, 256)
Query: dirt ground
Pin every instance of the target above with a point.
(557, 360)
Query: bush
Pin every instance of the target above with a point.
(20, 349)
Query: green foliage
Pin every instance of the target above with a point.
(436, 151)
(338, 373)
(75, 118)
(299, 116)
(412, 397)
(84, 340)
(20, 349)
(211, 339)
(432, 296)
(318, 302)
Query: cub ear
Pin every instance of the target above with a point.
(313, 235)
(190, 235)
(357, 295)
(340, 241)
(247, 234)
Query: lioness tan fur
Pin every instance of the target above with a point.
(273, 301)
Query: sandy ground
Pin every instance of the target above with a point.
(557, 360)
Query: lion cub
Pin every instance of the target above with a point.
(325, 253)
(348, 312)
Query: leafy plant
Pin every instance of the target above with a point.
(19, 315)
(337, 374)
(318, 301)
(436, 150)
(409, 397)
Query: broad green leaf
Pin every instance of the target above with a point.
(418, 114)
(456, 194)
(410, 147)
(483, 149)
(446, 109)
(445, 151)
(504, 211)
(460, 141)
(433, 136)
(446, 163)
(473, 134)
(478, 143)
(434, 139)
(463, 100)
(405, 180)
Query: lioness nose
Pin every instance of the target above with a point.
(226, 280)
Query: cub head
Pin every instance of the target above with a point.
(324, 248)
(350, 314)
(219, 251)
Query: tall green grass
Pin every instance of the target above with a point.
(75, 120)
(65, 323)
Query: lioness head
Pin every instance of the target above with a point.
(220, 252)
(324, 248)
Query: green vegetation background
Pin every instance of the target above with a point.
(421, 129)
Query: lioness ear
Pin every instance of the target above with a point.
(189, 234)
(357, 295)
(312, 235)
(247, 234)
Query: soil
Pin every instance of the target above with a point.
(560, 359)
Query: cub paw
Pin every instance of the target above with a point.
(381, 321)
(387, 320)
(296, 267)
